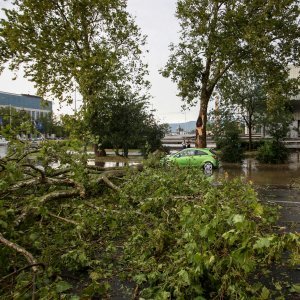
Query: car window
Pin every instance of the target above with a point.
(212, 151)
(190, 152)
(198, 152)
(183, 153)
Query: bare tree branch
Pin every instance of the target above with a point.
(22, 269)
(109, 183)
(62, 219)
(97, 168)
(26, 154)
(67, 182)
(60, 172)
(20, 250)
(24, 183)
(35, 168)
(50, 181)
(60, 195)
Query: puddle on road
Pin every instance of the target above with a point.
(110, 164)
(278, 184)
(287, 175)
(283, 175)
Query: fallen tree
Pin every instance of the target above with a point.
(34, 182)
(162, 233)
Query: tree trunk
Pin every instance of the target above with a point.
(99, 151)
(200, 141)
(125, 151)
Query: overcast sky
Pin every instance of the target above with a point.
(157, 20)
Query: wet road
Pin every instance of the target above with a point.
(279, 184)
(283, 175)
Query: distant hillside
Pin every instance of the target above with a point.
(187, 126)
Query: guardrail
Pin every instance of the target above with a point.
(175, 142)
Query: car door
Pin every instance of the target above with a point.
(199, 158)
(189, 157)
(181, 158)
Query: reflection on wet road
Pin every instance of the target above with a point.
(287, 175)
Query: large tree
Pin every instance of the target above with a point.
(244, 93)
(125, 122)
(89, 45)
(218, 35)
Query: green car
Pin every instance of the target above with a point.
(200, 157)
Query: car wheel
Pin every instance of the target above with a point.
(208, 167)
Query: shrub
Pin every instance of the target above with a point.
(226, 134)
(153, 159)
(232, 153)
(255, 145)
(230, 144)
(272, 152)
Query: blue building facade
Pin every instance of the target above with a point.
(34, 105)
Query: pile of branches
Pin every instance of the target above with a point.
(69, 230)
(32, 181)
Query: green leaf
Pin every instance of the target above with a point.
(198, 258)
(3, 224)
(226, 235)
(295, 288)
(140, 278)
(263, 243)
(33, 236)
(278, 286)
(95, 276)
(163, 295)
(62, 286)
(183, 274)
(265, 294)
(238, 219)
(258, 209)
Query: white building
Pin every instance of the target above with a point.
(33, 105)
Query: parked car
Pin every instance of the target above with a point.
(201, 157)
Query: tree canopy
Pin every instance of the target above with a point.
(66, 44)
(244, 92)
(218, 35)
(125, 122)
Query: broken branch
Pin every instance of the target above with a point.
(62, 219)
(60, 194)
(109, 183)
(29, 257)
